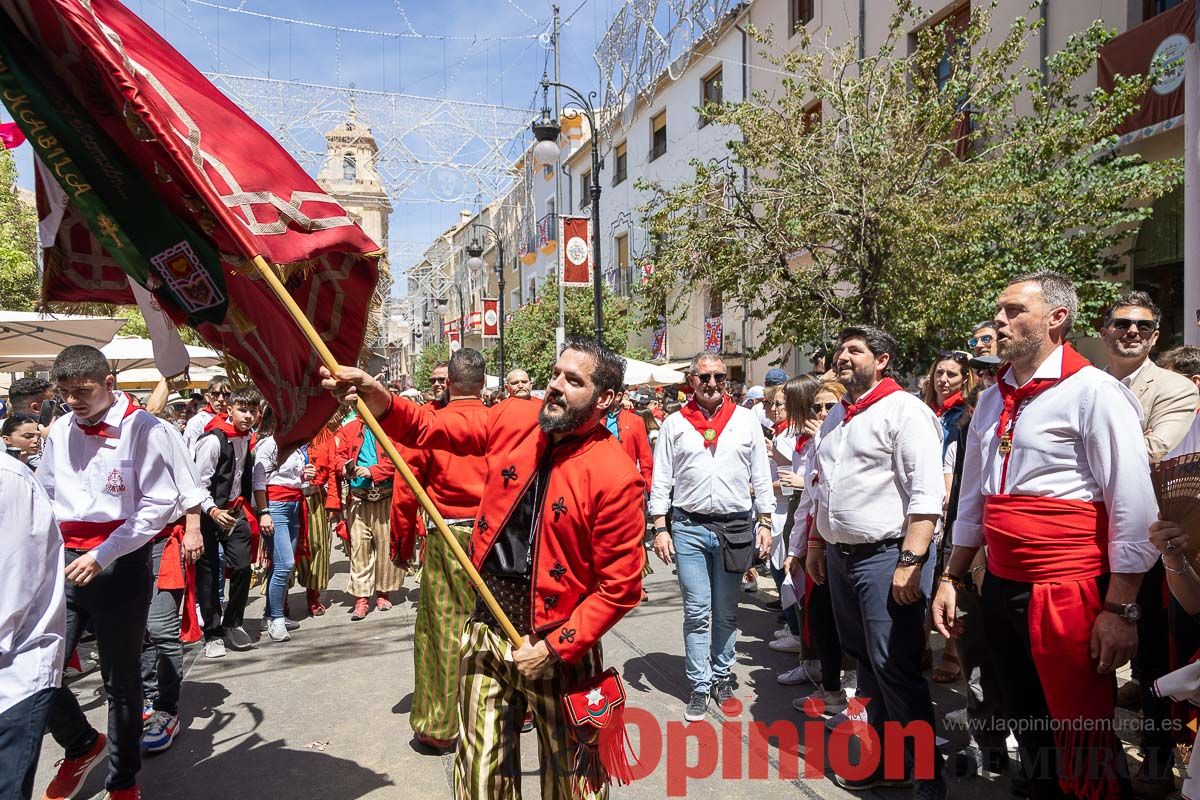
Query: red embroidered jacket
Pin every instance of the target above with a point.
(587, 563)
(636, 442)
(405, 525)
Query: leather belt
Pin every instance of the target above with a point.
(866, 548)
(371, 495)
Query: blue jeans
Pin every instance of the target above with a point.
(21, 728)
(286, 516)
(709, 592)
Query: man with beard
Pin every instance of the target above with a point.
(517, 384)
(1056, 483)
(558, 542)
(439, 379)
(878, 492)
(709, 455)
(217, 394)
(1168, 402)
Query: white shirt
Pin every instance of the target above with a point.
(1068, 443)
(208, 455)
(195, 428)
(878, 469)
(33, 607)
(1190, 443)
(711, 480)
(803, 459)
(267, 470)
(1131, 377)
(141, 478)
(950, 457)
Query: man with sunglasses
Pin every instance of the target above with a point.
(708, 455)
(217, 396)
(1168, 401)
(439, 382)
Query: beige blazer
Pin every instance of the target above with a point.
(1169, 402)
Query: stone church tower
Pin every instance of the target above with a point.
(349, 175)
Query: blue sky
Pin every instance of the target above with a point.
(501, 72)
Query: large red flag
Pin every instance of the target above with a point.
(158, 175)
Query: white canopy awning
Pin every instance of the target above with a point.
(133, 352)
(646, 374)
(23, 333)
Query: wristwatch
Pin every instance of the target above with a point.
(661, 530)
(910, 559)
(1130, 612)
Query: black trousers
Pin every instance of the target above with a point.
(115, 602)
(1006, 615)
(989, 728)
(209, 576)
(1151, 662)
(825, 637)
(21, 729)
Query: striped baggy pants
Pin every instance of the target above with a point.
(447, 599)
(493, 698)
(371, 567)
(312, 571)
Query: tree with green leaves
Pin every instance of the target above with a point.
(905, 188)
(529, 337)
(18, 242)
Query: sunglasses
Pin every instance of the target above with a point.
(716, 377)
(778, 404)
(437, 380)
(1144, 326)
(222, 394)
(817, 408)
(957, 355)
(975, 341)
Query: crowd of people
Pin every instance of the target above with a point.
(1004, 501)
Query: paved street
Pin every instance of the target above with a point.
(326, 714)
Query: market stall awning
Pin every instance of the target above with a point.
(30, 334)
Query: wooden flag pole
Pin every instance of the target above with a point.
(382, 438)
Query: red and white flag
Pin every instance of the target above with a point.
(491, 318)
(575, 255)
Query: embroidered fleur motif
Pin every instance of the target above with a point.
(558, 571)
(566, 635)
(510, 474)
(551, 601)
(559, 508)
(483, 525)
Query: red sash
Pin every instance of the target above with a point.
(1060, 547)
(882, 389)
(79, 535)
(953, 400)
(284, 494)
(710, 429)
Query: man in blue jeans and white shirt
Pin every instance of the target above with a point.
(878, 493)
(708, 456)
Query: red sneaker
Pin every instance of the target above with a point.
(132, 793)
(315, 607)
(72, 772)
(361, 609)
(382, 603)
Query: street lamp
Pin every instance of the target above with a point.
(462, 310)
(546, 130)
(475, 251)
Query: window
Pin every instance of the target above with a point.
(710, 92)
(1152, 8)
(658, 135)
(956, 22)
(585, 189)
(349, 169)
(800, 13)
(620, 163)
(716, 304)
(622, 247)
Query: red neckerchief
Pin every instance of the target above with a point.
(102, 428)
(782, 426)
(802, 441)
(882, 389)
(208, 407)
(953, 400)
(710, 429)
(221, 423)
(1014, 396)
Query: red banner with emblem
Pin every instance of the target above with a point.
(491, 318)
(220, 178)
(1164, 38)
(575, 254)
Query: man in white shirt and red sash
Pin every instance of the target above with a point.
(709, 454)
(217, 394)
(878, 493)
(108, 470)
(1056, 483)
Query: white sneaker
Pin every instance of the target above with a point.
(823, 702)
(787, 644)
(159, 731)
(804, 672)
(278, 631)
(779, 634)
(238, 639)
(214, 648)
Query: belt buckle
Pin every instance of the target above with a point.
(373, 495)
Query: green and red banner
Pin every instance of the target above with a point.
(167, 181)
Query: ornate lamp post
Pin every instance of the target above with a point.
(546, 130)
(475, 251)
(462, 310)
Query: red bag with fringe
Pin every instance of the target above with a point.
(596, 711)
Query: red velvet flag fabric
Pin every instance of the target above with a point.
(212, 166)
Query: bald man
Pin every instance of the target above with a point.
(517, 384)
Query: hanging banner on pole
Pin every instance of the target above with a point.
(575, 256)
(714, 335)
(491, 318)
(454, 340)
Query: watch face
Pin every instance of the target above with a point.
(1133, 612)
